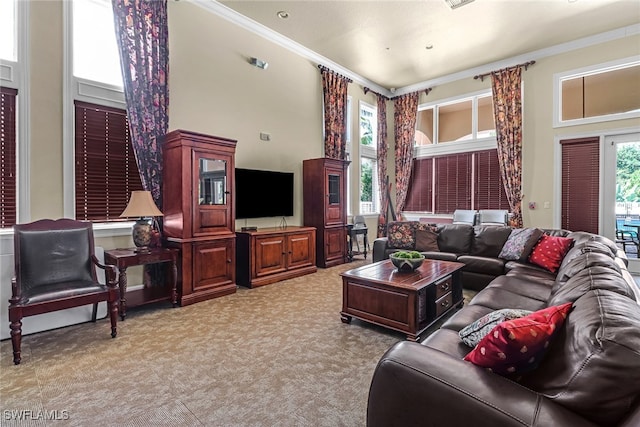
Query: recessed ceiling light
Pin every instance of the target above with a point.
(283, 14)
(429, 47)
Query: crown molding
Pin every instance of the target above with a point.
(277, 38)
(249, 24)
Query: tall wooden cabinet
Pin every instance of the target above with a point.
(199, 217)
(325, 207)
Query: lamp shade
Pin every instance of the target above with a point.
(140, 205)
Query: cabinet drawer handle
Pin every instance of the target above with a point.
(444, 287)
(445, 303)
(228, 261)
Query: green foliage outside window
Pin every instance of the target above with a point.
(366, 131)
(628, 179)
(367, 184)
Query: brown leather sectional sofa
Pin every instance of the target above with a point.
(590, 375)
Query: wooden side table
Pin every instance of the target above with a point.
(124, 258)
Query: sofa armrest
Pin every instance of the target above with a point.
(418, 385)
(380, 249)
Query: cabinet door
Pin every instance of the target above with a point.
(212, 175)
(301, 247)
(270, 255)
(334, 239)
(213, 263)
(334, 198)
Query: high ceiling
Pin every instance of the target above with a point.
(386, 41)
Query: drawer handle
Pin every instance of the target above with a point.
(444, 287)
(445, 303)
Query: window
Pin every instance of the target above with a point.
(469, 180)
(8, 157)
(369, 191)
(8, 29)
(455, 120)
(456, 164)
(600, 93)
(95, 50)
(105, 166)
(105, 171)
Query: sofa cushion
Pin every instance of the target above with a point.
(520, 243)
(497, 298)
(455, 238)
(481, 264)
(518, 345)
(462, 318)
(475, 331)
(593, 365)
(550, 251)
(442, 256)
(447, 341)
(596, 277)
(488, 240)
(426, 238)
(401, 234)
(529, 287)
(584, 261)
(589, 246)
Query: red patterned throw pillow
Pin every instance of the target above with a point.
(550, 251)
(518, 345)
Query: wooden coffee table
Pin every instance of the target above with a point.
(405, 302)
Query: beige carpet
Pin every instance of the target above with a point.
(277, 355)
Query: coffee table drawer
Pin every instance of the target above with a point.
(443, 304)
(443, 287)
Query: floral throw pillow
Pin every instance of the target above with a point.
(518, 345)
(550, 251)
(401, 235)
(474, 332)
(520, 243)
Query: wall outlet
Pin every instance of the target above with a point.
(264, 136)
(547, 205)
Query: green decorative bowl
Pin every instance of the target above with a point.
(404, 264)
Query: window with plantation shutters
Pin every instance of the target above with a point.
(580, 184)
(488, 188)
(8, 157)
(461, 181)
(105, 165)
(420, 194)
(452, 182)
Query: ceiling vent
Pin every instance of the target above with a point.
(454, 4)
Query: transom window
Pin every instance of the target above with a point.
(8, 29)
(598, 93)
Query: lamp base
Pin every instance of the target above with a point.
(141, 234)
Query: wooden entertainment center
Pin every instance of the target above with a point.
(268, 255)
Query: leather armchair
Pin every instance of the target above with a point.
(55, 269)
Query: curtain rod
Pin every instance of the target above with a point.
(525, 65)
(366, 90)
(323, 68)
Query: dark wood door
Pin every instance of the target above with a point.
(301, 247)
(213, 263)
(335, 241)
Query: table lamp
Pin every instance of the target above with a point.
(141, 205)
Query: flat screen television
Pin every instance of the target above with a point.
(261, 193)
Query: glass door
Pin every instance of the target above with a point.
(622, 193)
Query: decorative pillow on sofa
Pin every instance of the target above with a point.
(426, 238)
(474, 332)
(550, 251)
(520, 243)
(518, 345)
(401, 234)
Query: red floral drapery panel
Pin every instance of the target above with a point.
(383, 149)
(334, 87)
(142, 35)
(507, 109)
(406, 111)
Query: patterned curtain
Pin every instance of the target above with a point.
(406, 112)
(142, 34)
(383, 148)
(334, 87)
(507, 109)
